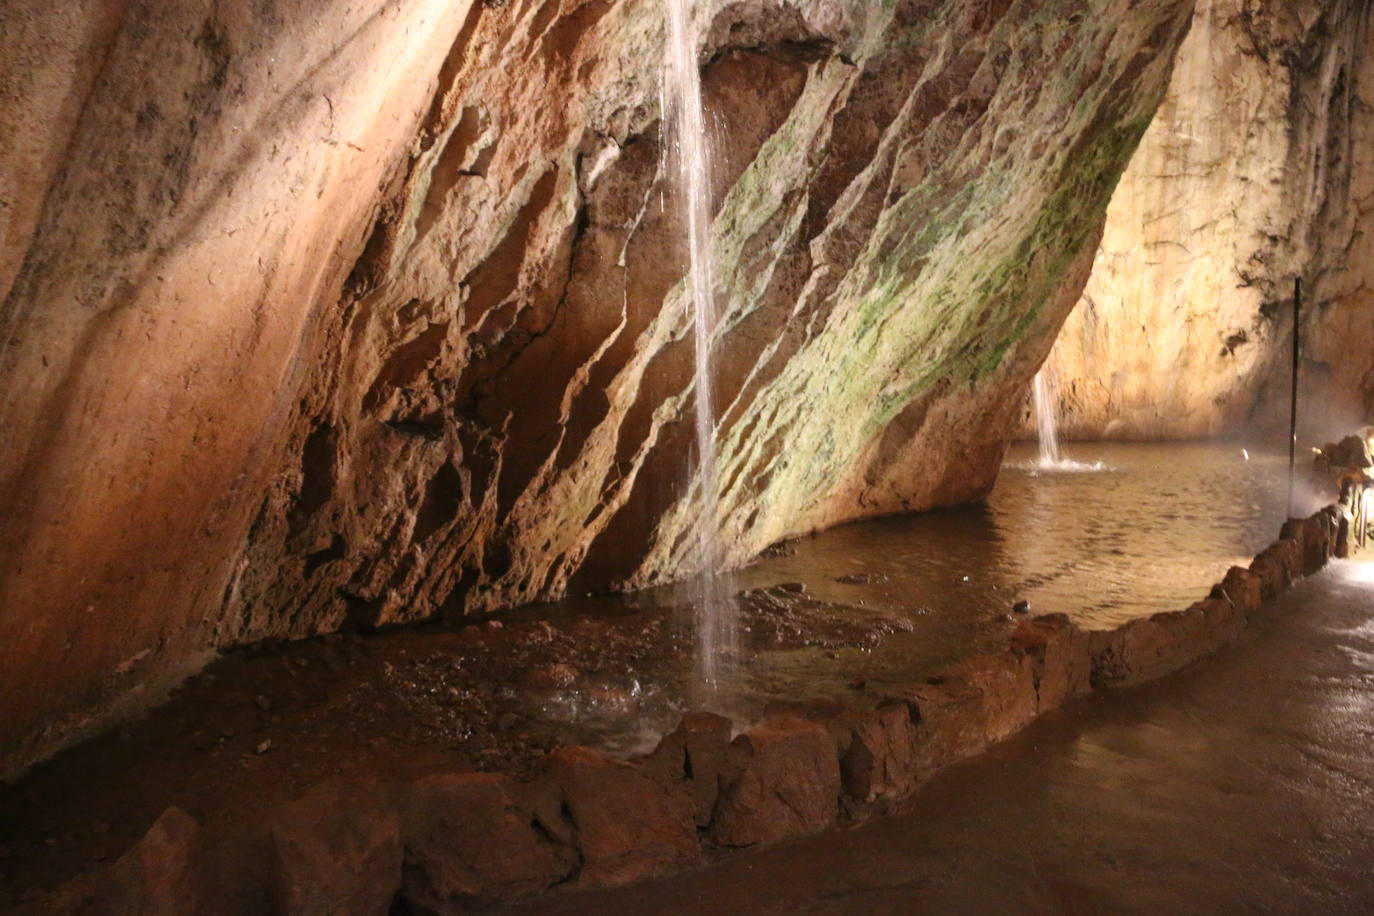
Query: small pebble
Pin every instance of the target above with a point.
(264, 747)
(1021, 607)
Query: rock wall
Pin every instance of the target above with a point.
(326, 313)
(1254, 171)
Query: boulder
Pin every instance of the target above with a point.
(469, 844)
(337, 850)
(1277, 565)
(625, 825)
(1313, 538)
(1156, 646)
(1345, 524)
(1350, 452)
(784, 782)
(972, 704)
(155, 876)
(879, 760)
(1061, 657)
(693, 758)
(1242, 588)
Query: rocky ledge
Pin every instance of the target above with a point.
(455, 842)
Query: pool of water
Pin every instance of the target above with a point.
(1149, 531)
(1126, 531)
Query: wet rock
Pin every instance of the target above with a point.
(337, 850)
(796, 588)
(1345, 524)
(1061, 656)
(784, 782)
(1242, 588)
(1276, 567)
(625, 825)
(880, 759)
(861, 579)
(970, 705)
(779, 550)
(155, 876)
(1316, 537)
(1350, 452)
(469, 844)
(1144, 650)
(1021, 607)
(556, 676)
(693, 758)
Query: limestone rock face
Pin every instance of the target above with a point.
(370, 312)
(1255, 169)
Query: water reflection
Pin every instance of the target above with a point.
(1152, 531)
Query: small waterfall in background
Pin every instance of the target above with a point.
(716, 629)
(1046, 423)
(1047, 429)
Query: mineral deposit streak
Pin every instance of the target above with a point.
(716, 629)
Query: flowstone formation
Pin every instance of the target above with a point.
(1253, 172)
(369, 313)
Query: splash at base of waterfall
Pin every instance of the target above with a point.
(1051, 458)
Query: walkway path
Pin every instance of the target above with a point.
(1243, 784)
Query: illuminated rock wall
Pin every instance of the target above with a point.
(319, 313)
(1255, 169)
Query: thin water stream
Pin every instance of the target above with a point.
(716, 629)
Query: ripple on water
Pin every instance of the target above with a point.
(1124, 531)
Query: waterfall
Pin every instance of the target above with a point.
(716, 630)
(1046, 423)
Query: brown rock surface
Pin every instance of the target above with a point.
(972, 704)
(156, 876)
(694, 757)
(785, 782)
(1242, 588)
(1061, 654)
(624, 825)
(880, 759)
(468, 844)
(337, 850)
(369, 313)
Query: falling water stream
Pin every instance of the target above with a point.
(716, 629)
(1047, 430)
(1046, 423)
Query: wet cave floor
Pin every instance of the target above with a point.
(837, 615)
(1243, 784)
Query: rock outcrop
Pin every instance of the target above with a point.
(318, 314)
(1253, 172)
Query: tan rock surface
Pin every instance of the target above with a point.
(1254, 170)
